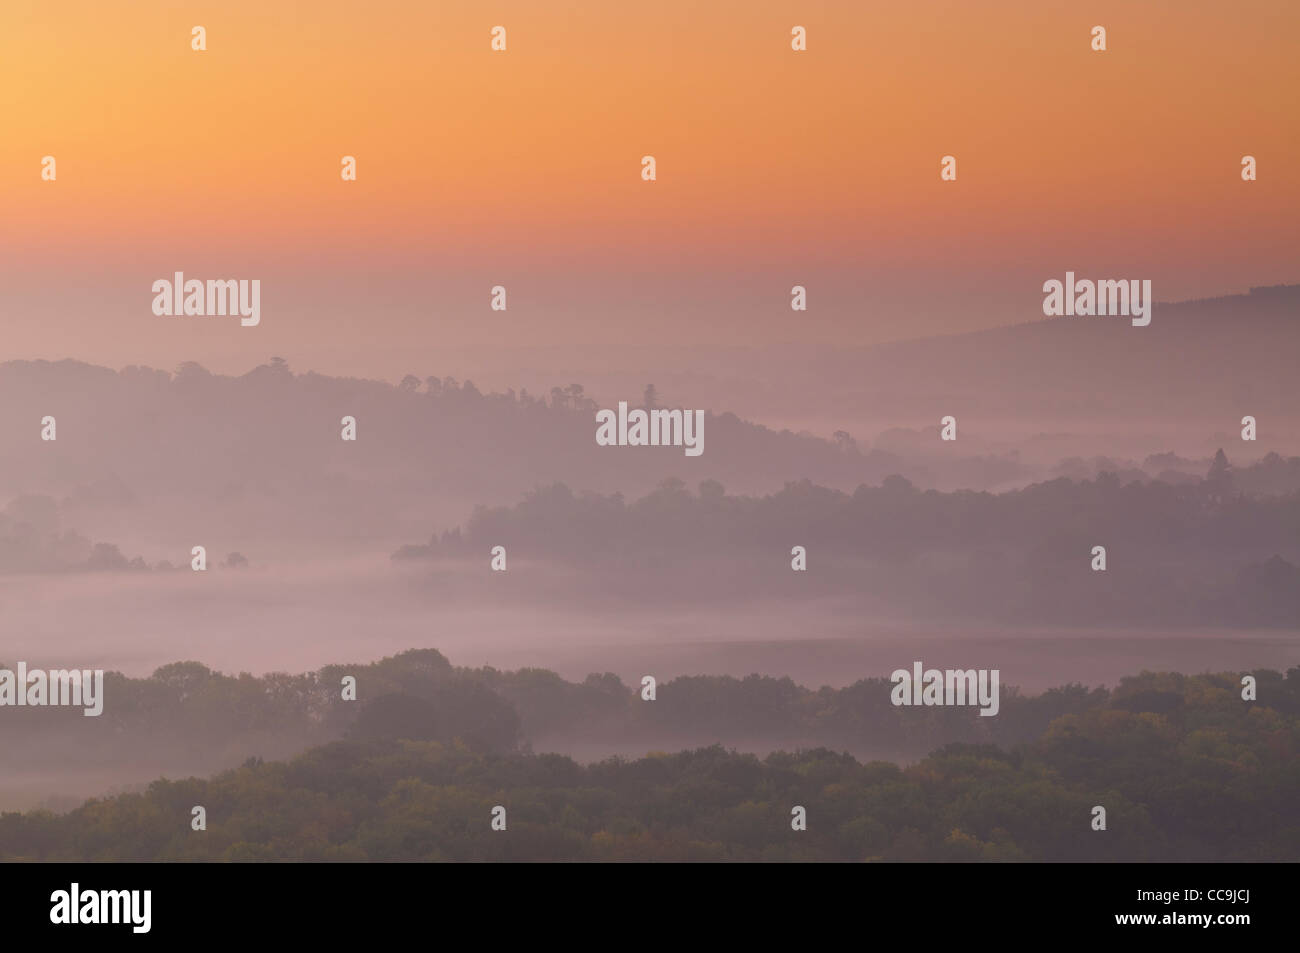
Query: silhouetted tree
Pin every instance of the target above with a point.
(1218, 482)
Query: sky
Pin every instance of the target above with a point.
(522, 168)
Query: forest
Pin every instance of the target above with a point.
(1183, 766)
(1190, 553)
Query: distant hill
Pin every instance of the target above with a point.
(138, 450)
(1199, 363)
(264, 448)
(1191, 554)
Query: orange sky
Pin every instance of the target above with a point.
(522, 168)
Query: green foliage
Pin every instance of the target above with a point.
(1185, 769)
